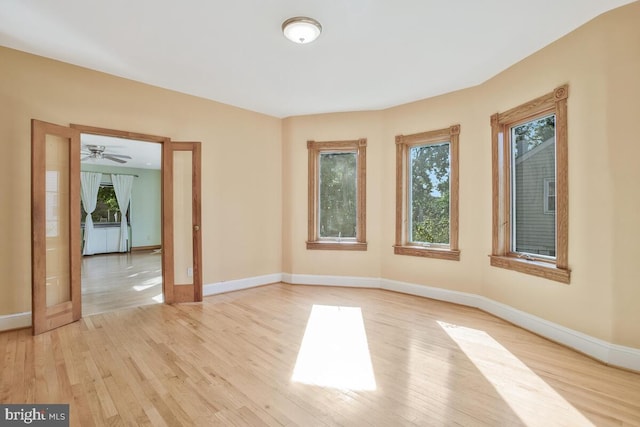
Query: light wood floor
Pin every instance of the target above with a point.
(298, 355)
(114, 281)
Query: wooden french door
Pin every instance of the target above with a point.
(55, 226)
(55, 229)
(182, 241)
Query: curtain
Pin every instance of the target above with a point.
(89, 185)
(122, 186)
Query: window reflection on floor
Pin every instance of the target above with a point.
(514, 381)
(334, 350)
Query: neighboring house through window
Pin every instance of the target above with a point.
(530, 229)
(427, 194)
(337, 195)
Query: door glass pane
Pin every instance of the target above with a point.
(533, 175)
(182, 218)
(58, 277)
(337, 195)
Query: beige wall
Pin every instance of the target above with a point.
(601, 63)
(250, 230)
(241, 163)
(623, 169)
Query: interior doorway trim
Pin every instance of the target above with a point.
(120, 134)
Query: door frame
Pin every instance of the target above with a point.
(166, 172)
(75, 130)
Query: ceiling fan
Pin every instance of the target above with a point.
(96, 152)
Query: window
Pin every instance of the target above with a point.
(427, 194)
(107, 209)
(337, 195)
(549, 196)
(530, 187)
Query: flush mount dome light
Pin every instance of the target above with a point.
(301, 29)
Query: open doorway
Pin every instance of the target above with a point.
(121, 186)
(56, 239)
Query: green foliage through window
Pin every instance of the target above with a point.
(107, 209)
(337, 195)
(429, 193)
(529, 135)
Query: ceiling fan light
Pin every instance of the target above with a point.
(301, 29)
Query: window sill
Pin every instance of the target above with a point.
(337, 246)
(426, 252)
(534, 268)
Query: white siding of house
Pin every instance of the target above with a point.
(535, 229)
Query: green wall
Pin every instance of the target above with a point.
(145, 202)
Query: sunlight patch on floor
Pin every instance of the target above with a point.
(518, 385)
(141, 288)
(334, 350)
(152, 281)
(158, 298)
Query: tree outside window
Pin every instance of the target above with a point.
(427, 194)
(337, 195)
(107, 209)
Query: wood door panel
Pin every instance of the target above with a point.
(182, 247)
(55, 226)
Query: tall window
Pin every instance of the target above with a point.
(427, 194)
(530, 187)
(337, 195)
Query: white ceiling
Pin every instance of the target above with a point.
(372, 54)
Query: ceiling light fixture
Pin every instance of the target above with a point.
(301, 29)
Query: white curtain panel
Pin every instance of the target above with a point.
(89, 185)
(122, 185)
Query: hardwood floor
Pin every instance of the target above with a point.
(115, 281)
(312, 356)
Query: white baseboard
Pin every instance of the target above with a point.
(625, 357)
(346, 281)
(612, 354)
(15, 321)
(439, 294)
(236, 285)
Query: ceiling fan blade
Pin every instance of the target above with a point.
(121, 156)
(85, 158)
(113, 159)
